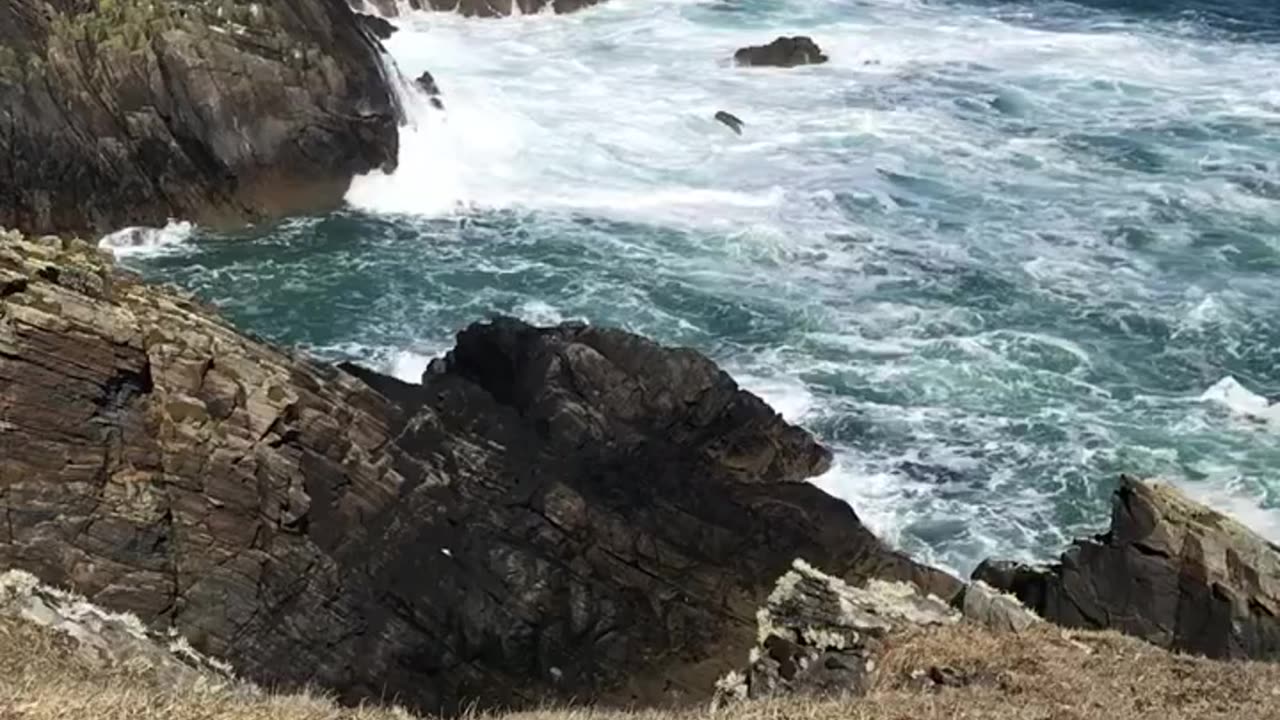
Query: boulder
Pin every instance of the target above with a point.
(554, 513)
(137, 111)
(1169, 570)
(782, 52)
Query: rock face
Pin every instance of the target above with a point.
(783, 52)
(138, 111)
(1170, 571)
(821, 637)
(483, 8)
(557, 512)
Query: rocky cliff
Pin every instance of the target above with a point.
(554, 512)
(123, 112)
(1169, 570)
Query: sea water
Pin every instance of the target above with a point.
(994, 253)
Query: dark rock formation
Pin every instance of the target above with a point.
(377, 26)
(137, 111)
(1170, 571)
(488, 8)
(558, 512)
(731, 120)
(427, 84)
(783, 52)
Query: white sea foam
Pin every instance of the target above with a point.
(147, 240)
(1229, 393)
(959, 155)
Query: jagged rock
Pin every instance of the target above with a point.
(110, 640)
(730, 120)
(1169, 570)
(782, 52)
(377, 26)
(999, 611)
(137, 111)
(819, 636)
(566, 512)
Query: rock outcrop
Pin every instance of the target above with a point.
(137, 111)
(820, 637)
(782, 52)
(1169, 570)
(555, 512)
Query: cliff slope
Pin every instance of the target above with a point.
(125, 112)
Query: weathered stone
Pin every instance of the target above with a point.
(987, 606)
(1169, 570)
(782, 52)
(137, 111)
(111, 640)
(818, 636)
(566, 512)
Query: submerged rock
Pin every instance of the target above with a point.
(782, 52)
(731, 120)
(1169, 570)
(138, 111)
(427, 84)
(565, 512)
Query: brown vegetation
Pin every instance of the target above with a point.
(1044, 674)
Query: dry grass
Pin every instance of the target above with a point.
(1046, 675)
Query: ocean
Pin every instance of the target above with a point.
(993, 253)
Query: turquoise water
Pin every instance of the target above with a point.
(993, 253)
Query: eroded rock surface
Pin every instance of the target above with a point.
(1169, 570)
(217, 111)
(556, 512)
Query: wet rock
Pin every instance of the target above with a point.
(819, 636)
(1169, 570)
(730, 120)
(376, 25)
(427, 84)
(782, 52)
(135, 112)
(565, 512)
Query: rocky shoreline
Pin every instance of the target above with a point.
(552, 514)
